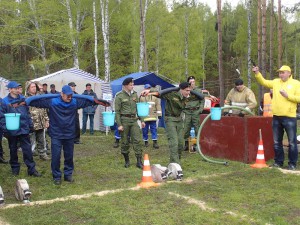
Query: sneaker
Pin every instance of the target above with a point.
(291, 167)
(69, 179)
(116, 144)
(57, 182)
(35, 174)
(276, 165)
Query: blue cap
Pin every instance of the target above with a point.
(13, 84)
(147, 86)
(67, 90)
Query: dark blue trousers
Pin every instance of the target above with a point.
(67, 145)
(24, 140)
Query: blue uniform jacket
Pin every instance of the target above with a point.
(25, 119)
(62, 114)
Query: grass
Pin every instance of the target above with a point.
(209, 193)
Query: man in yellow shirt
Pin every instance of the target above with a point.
(286, 95)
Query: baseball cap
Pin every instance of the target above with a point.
(13, 84)
(67, 90)
(284, 68)
(146, 86)
(72, 84)
(238, 82)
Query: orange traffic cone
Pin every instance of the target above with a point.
(147, 181)
(260, 157)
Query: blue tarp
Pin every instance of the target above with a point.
(142, 78)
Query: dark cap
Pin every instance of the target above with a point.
(88, 84)
(239, 82)
(13, 84)
(72, 84)
(190, 78)
(184, 85)
(127, 81)
(52, 85)
(67, 90)
(44, 84)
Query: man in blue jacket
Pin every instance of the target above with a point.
(14, 103)
(89, 111)
(62, 130)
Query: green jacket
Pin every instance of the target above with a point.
(193, 104)
(125, 104)
(175, 103)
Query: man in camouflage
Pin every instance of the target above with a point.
(40, 121)
(126, 119)
(176, 99)
(192, 111)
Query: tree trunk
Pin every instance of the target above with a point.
(264, 39)
(271, 38)
(143, 49)
(249, 43)
(279, 35)
(95, 39)
(105, 33)
(186, 44)
(220, 55)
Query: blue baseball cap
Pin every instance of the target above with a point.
(13, 84)
(67, 90)
(147, 86)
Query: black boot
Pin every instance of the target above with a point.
(146, 144)
(155, 145)
(139, 163)
(127, 162)
(116, 144)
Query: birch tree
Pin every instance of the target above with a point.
(95, 39)
(105, 34)
(279, 35)
(249, 18)
(75, 30)
(221, 78)
(143, 49)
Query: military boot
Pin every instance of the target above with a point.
(155, 145)
(127, 162)
(116, 144)
(139, 163)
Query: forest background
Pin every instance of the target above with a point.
(112, 38)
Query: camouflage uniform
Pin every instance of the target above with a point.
(39, 118)
(175, 103)
(126, 116)
(192, 111)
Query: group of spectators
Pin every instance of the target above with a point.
(57, 112)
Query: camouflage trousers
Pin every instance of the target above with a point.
(38, 142)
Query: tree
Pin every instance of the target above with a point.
(221, 78)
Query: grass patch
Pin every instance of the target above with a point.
(234, 194)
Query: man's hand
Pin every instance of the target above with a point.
(255, 69)
(143, 124)
(101, 102)
(47, 124)
(145, 92)
(284, 93)
(120, 128)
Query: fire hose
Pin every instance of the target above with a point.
(201, 127)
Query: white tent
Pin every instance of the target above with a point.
(3, 88)
(81, 78)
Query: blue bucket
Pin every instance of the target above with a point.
(12, 121)
(143, 108)
(215, 113)
(108, 118)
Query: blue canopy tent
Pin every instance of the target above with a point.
(142, 78)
